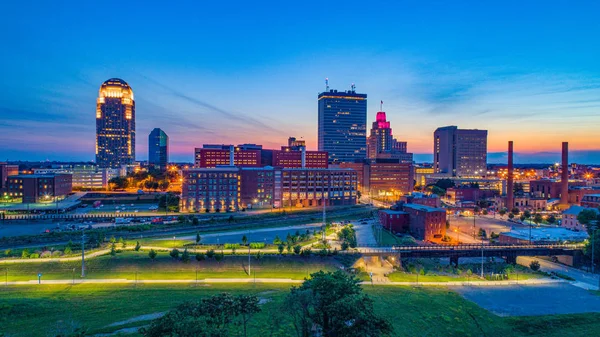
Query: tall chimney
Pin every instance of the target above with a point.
(564, 183)
(510, 201)
(231, 152)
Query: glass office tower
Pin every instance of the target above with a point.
(343, 125)
(115, 124)
(158, 149)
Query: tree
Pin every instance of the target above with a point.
(587, 216)
(511, 216)
(527, 214)
(516, 211)
(502, 212)
(588, 247)
(210, 253)
(137, 246)
(200, 257)
(277, 240)
(280, 249)
(335, 305)
(113, 250)
(112, 239)
(174, 253)
(198, 237)
(25, 254)
(118, 183)
(482, 234)
(297, 249)
(152, 254)
(244, 240)
(534, 265)
(522, 217)
(163, 185)
(551, 219)
(537, 218)
(122, 243)
(195, 221)
(185, 256)
(68, 250)
(210, 317)
(444, 184)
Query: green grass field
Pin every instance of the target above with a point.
(399, 276)
(133, 265)
(412, 311)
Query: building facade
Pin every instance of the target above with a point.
(591, 200)
(211, 156)
(342, 130)
(158, 149)
(426, 223)
(569, 218)
(6, 170)
(394, 221)
(382, 144)
(210, 189)
(33, 188)
(115, 124)
(383, 178)
(459, 152)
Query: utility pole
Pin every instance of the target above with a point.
(82, 253)
(482, 256)
(249, 259)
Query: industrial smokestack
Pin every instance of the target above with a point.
(564, 184)
(231, 152)
(510, 201)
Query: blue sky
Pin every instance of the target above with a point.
(239, 72)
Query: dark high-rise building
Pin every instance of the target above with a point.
(115, 124)
(343, 125)
(460, 153)
(158, 149)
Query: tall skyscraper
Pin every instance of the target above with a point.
(382, 144)
(115, 124)
(460, 153)
(158, 149)
(343, 125)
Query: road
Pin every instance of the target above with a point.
(583, 279)
(461, 227)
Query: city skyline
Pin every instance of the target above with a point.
(537, 89)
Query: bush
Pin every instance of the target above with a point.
(137, 246)
(257, 245)
(68, 250)
(34, 256)
(56, 253)
(210, 253)
(174, 253)
(219, 256)
(297, 249)
(534, 265)
(25, 254)
(231, 246)
(345, 245)
(152, 254)
(185, 257)
(200, 257)
(7, 252)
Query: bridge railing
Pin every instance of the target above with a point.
(467, 247)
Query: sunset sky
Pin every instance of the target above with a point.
(250, 72)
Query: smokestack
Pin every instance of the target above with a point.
(231, 152)
(510, 201)
(304, 157)
(564, 184)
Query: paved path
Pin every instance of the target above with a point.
(583, 279)
(364, 235)
(280, 280)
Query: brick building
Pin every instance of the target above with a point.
(384, 177)
(394, 221)
(33, 188)
(6, 170)
(591, 200)
(210, 189)
(211, 156)
(472, 194)
(426, 223)
(550, 188)
(569, 218)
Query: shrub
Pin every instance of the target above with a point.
(56, 253)
(185, 257)
(137, 246)
(306, 252)
(257, 245)
(152, 254)
(297, 249)
(7, 252)
(219, 256)
(174, 253)
(200, 256)
(34, 256)
(68, 250)
(231, 246)
(534, 265)
(345, 245)
(210, 253)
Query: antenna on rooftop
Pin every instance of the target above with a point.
(381, 106)
(353, 87)
(326, 84)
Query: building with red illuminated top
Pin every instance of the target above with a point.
(381, 144)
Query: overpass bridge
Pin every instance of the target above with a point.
(507, 252)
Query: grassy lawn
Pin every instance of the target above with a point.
(413, 312)
(399, 276)
(389, 239)
(133, 265)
